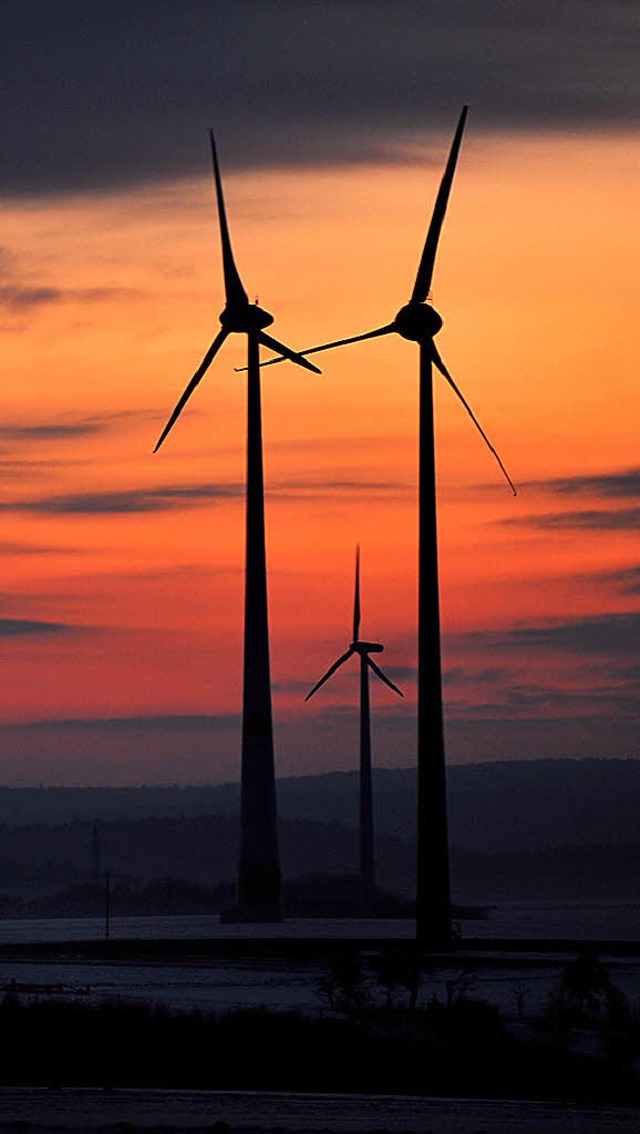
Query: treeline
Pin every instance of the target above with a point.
(500, 807)
(39, 861)
(202, 850)
(315, 895)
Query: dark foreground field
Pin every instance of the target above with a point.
(372, 1034)
(464, 1050)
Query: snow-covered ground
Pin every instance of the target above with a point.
(174, 1111)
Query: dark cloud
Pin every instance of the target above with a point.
(470, 675)
(340, 714)
(67, 428)
(623, 486)
(608, 634)
(619, 484)
(622, 519)
(19, 298)
(628, 579)
(167, 497)
(323, 489)
(14, 547)
(169, 722)
(292, 685)
(409, 673)
(520, 701)
(30, 628)
(127, 502)
(98, 95)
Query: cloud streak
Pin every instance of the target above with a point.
(168, 722)
(33, 628)
(19, 298)
(132, 501)
(623, 519)
(15, 547)
(627, 578)
(618, 484)
(622, 486)
(609, 634)
(67, 429)
(323, 489)
(174, 497)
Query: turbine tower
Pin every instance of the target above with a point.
(419, 322)
(259, 886)
(363, 649)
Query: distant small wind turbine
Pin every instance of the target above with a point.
(419, 322)
(363, 649)
(259, 880)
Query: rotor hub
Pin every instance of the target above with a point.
(245, 318)
(418, 322)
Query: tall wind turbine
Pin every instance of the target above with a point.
(259, 879)
(363, 649)
(419, 322)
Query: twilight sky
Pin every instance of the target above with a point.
(121, 591)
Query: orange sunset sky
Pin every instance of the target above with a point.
(122, 572)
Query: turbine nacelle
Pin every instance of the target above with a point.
(418, 322)
(242, 318)
(366, 647)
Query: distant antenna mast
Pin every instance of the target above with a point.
(107, 906)
(96, 854)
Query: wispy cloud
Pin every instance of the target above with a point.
(292, 685)
(618, 484)
(340, 714)
(624, 579)
(15, 547)
(617, 633)
(20, 298)
(67, 428)
(623, 485)
(30, 628)
(622, 519)
(169, 722)
(541, 702)
(127, 502)
(172, 497)
(628, 578)
(322, 488)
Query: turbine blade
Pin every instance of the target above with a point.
(422, 285)
(443, 370)
(234, 291)
(332, 669)
(383, 677)
(286, 352)
(356, 600)
(199, 374)
(386, 330)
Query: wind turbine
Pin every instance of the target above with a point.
(419, 322)
(363, 649)
(259, 880)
